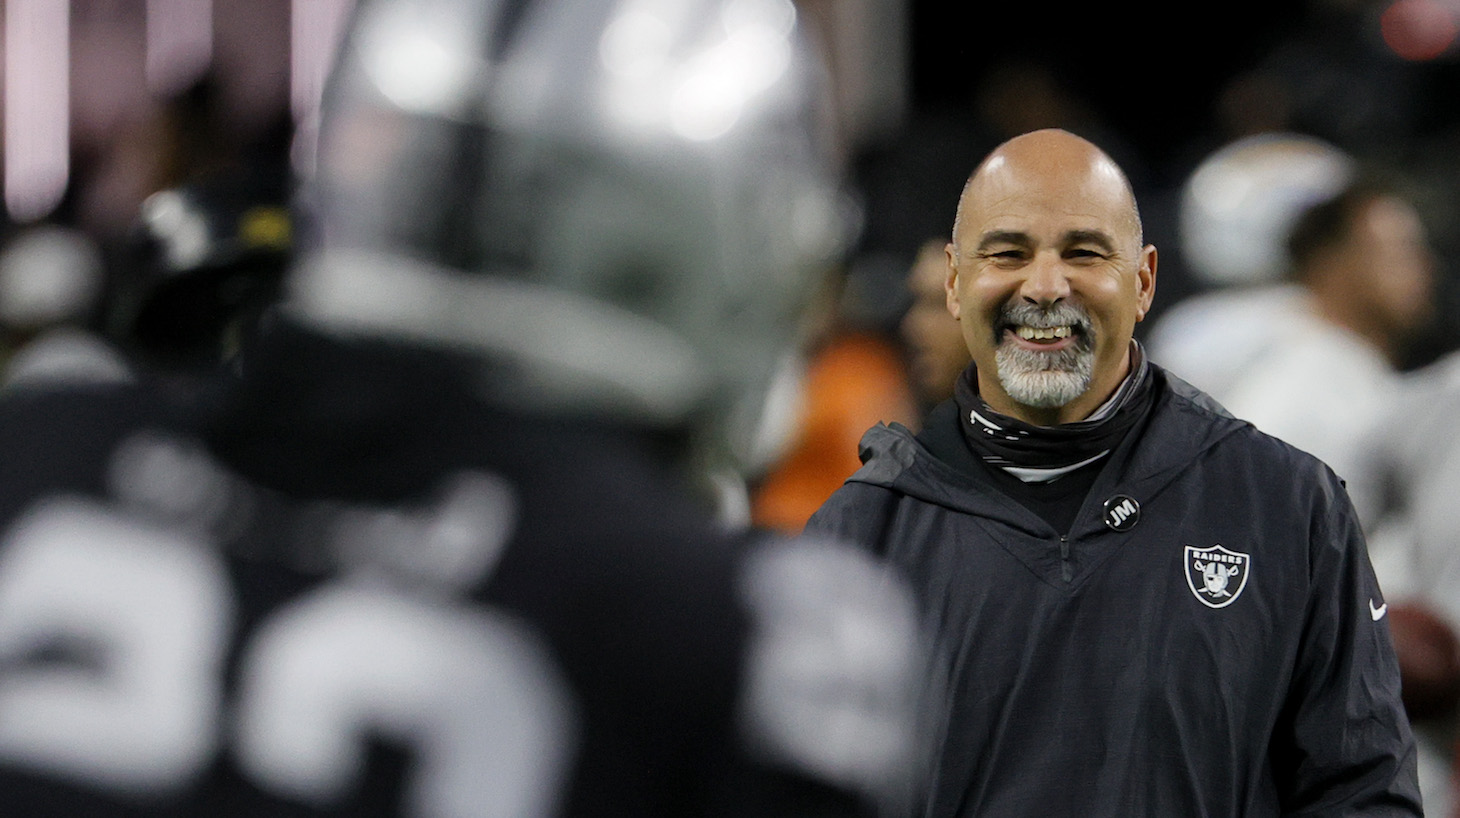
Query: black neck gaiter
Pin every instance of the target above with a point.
(1043, 453)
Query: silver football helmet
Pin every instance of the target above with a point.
(629, 203)
(1239, 204)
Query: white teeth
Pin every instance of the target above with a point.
(1043, 333)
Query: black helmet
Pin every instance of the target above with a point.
(203, 261)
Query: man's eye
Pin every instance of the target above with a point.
(1081, 252)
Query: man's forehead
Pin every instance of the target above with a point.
(1043, 220)
(1047, 208)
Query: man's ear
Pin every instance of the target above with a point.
(950, 283)
(1146, 282)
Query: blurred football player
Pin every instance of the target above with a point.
(444, 543)
(202, 262)
(52, 280)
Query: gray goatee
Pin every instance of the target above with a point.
(1045, 380)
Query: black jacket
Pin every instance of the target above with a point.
(1207, 639)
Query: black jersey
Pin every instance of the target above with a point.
(346, 586)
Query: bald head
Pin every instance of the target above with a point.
(1050, 160)
(1048, 276)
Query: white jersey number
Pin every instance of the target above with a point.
(112, 637)
(132, 621)
(472, 694)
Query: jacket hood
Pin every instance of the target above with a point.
(1184, 423)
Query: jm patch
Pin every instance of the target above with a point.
(1122, 513)
(1216, 575)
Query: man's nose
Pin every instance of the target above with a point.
(1047, 281)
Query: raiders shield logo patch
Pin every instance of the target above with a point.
(1216, 575)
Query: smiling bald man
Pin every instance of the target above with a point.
(1048, 276)
(1144, 606)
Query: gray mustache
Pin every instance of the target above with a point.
(1022, 313)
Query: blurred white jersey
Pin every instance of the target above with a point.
(1270, 359)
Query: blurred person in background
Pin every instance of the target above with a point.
(1143, 605)
(1328, 373)
(442, 540)
(1234, 213)
(936, 351)
(169, 303)
(855, 376)
(170, 236)
(52, 305)
(201, 265)
(1312, 355)
(1413, 459)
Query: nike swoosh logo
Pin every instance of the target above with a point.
(1378, 613)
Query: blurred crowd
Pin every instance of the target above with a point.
(169, 239)
(1308, 230)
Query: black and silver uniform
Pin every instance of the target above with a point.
(345, 585)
